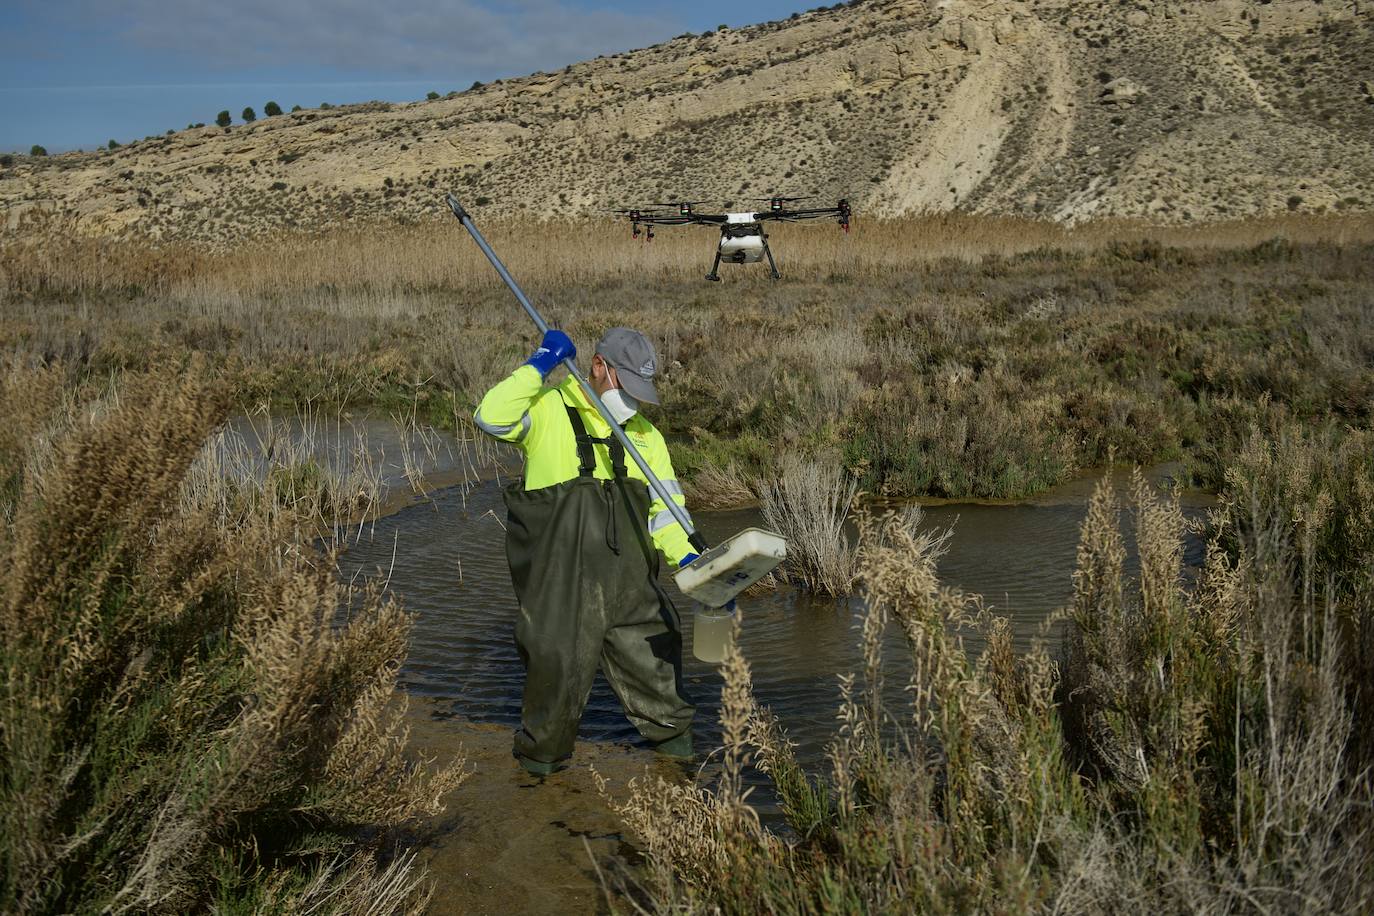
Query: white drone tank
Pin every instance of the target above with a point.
(745, 249)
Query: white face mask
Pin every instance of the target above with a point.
(620, 404)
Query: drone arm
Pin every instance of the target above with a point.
(817, 213)
(667, 220)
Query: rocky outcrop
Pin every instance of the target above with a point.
(1122, 92)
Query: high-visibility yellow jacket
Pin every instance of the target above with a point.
(523, 410)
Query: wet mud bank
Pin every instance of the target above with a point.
(513, 843)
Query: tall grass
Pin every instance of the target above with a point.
(280, 470)
(379, 264)
(1201, 747)
(951, 357)
(193, 714)
(812, 505)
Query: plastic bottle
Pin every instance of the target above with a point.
(712, 634)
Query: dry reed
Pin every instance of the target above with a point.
(931, 355)
(1200, 749)
(811, 504)
(381, 263)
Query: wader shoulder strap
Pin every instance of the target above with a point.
(585, 456)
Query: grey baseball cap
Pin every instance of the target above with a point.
(634, 360)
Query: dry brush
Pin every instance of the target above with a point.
(1202, 745)
(193, 714)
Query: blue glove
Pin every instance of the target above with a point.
(687, 560)
(555, 348)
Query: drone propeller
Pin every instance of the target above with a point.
(778, 204)
(684, 207)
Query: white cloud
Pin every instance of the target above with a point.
(419, 38)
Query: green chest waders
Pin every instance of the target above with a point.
(585, 572)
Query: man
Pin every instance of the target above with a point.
(583, 539)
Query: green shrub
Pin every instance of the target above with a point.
(112, 145)
(271, 109)
(223, 119)
(249, 115)
(431, 95)
(188, 721)
(37, 150)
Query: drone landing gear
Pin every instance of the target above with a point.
(714, 276)
(772, 265)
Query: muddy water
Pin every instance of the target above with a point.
(446, 560)
(516, 844)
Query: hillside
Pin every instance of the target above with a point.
(1169, 111)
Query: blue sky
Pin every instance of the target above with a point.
(77, 73)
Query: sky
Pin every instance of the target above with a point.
(75, 74)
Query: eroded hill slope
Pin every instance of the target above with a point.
(1172, 111)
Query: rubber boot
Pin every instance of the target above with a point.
(538, 767)
(679, 748)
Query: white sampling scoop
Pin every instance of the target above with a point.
(721, 573)
(716, 577)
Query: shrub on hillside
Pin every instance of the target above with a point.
(249, 115)
(271, 109)
(223, 119)
(37, 150)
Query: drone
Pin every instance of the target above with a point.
(742, 239)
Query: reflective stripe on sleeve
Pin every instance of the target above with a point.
(672, 487)
(661, 520)
(500, 431)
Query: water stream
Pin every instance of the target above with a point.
(512, 843)
(446, 560)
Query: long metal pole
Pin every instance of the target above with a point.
(659, 489)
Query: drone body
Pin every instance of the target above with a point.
(742, 236)
(742, 240)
